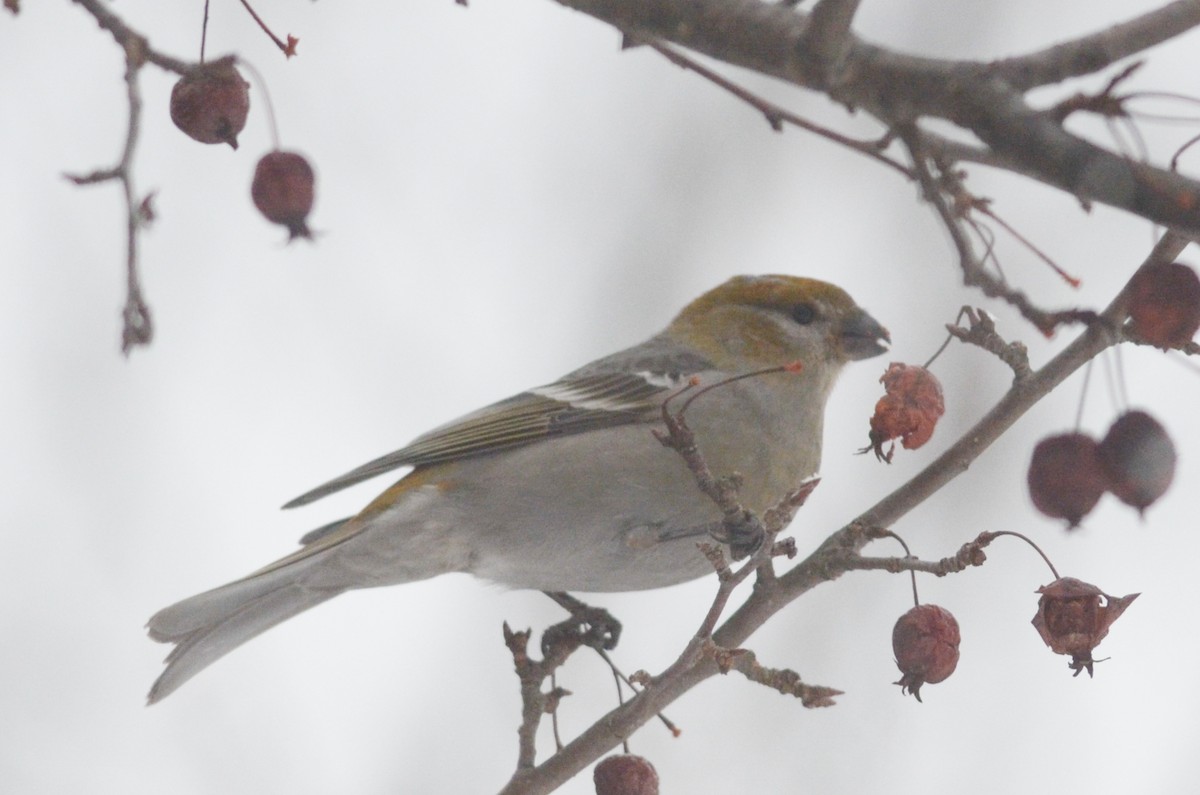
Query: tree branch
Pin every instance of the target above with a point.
(137, 326)
(828, 36)
(1002, 120)
(775, 115)
(902, 89)
(1089, 54)
(125, 34)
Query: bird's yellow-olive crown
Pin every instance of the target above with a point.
(759, 319)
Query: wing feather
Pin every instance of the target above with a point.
(582, 401)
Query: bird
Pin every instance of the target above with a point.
(565, 487)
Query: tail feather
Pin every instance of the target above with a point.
(208, 626)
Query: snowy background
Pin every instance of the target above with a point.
(503, 195)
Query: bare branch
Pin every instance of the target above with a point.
(981, 332)
(775, 115)
(748, 33)
(975, 273)
(125, 35)
(137, 327)
(828, 36)
(901, 89)
(1097, 51)
(1002, 119)
(783, 680)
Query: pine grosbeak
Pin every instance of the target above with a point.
(564, 487)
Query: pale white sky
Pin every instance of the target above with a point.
(502, 196)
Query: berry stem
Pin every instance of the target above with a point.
(1179, 152)
(262, 84)
(1115, 369)
(792, 367)
(882, 532)
(204, 31)
(941, 348)
(1087, 377)
(1028, 541)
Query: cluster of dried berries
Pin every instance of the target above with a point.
(625, 774)
(925, 641)
(1074, 616)
(1164, 304)
(1070, 472)
(908, 411)
(210, 105)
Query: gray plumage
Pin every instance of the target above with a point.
(564, 487)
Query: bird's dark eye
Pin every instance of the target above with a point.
(804, 314)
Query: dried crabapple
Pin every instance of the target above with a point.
(1164, 304)
(210, 104)
(625, 774)
(925, 641)
(1139, 459)
(909, 410)
(1074, 616)
(1066, 478)
(283, 191)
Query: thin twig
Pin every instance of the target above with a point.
(288, 48)
(783, 680)
(125, 34)
(981, 332)
(775, 115)
(137, 325)
(974, 273)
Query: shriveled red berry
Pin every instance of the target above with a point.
(1164, 304)
(210, 105)
(283, 191)
(909, 409)
(1139, 458)
(1066, 478)
(1074, 616)
(625, 774)
(925, 641)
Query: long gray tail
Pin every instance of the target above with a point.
(208, 626)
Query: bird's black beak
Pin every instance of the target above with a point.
(862, 337)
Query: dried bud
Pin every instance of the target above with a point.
(1074, 616)
(625, 774)
(1139, 459)
(909, 410)
(283, 191)
(925, 641)
(1066, 478)
(210, 105)
(1164, 304)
